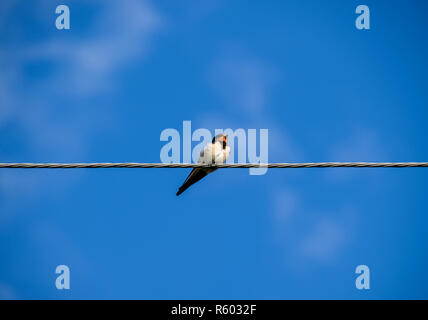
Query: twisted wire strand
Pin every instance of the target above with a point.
(227, 165)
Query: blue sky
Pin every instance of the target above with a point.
(103, 92)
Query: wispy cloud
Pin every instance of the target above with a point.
(246, 85)
(53, 115)
(325, 240)
(81, 66)
(121, 34)
(310, 237)
(244, 82)
(286, 203)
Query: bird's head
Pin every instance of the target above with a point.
(222, 139)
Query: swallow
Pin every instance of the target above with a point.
(215, 152)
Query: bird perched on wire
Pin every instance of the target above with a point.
(215, 152)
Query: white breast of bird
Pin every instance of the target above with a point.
(214, 153)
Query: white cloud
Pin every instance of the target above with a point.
(325, 240)
(246, 84)
(121, 35)
(84, 65)
(307, 236)
(286, 203)
(243, 82)
(79, 66)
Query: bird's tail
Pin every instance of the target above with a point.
(194, 176)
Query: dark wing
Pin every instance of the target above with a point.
(194, 176)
